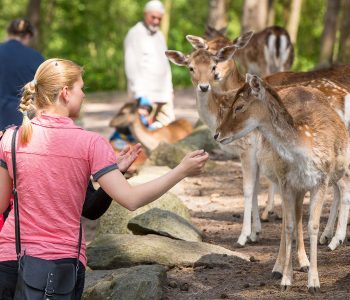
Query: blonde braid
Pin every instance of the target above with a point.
(26, 104)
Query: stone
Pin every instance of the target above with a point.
(140, 282)
(112, 251)
(164, 223)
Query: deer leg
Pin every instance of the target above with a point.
(270, 202)
(249, 170)
(340, 233)
(289, 199)
(278, 267)
(316, 203)
(256, 226)
(327, 234)
(301, 253)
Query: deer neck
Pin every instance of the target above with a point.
(278, 129)
(142, 134)
(207, 109)
(233, 80)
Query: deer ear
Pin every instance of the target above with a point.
(226, 53)
(255, 83)
(177, 57)
(197, 42)
(243, 40)
(211, 32)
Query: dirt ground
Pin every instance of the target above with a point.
(215, 201)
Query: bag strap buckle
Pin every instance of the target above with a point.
(49, 290)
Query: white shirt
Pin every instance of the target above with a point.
(146, 65)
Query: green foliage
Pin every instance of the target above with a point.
(92, 32)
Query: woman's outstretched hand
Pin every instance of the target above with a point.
(127, 156)
(192, 164)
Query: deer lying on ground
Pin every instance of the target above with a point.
(302, 146)
(227, 77)
(269, 51)
(150, 139)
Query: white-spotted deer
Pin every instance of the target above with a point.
(269, 51)
(332, 82)
(302, 146)
(128, 116)
(202, 66)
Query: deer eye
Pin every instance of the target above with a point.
(191, 69)
(238, 108)
(213, 68)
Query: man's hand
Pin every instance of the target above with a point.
(127, 156)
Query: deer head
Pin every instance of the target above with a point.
(246, 112)
(125, 116)
(204, 65)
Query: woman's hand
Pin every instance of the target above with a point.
(193, 163)
(127, 156)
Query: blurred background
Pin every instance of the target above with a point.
(92, 32)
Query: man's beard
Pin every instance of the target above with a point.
(153, 29)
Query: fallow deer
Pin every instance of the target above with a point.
(128, 116)
(202, 66)
(333, 83)
(269, 51)
(302, 146)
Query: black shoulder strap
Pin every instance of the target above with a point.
(15, 195)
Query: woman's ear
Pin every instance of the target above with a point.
(63, 95)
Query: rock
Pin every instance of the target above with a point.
(184, 287)
(164, 223)
(116, 219)
(141, 282)
(111, 251)
(172, 284)
(171, 155)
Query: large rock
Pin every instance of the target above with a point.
(171, 154)
(141, 282)
(116, 219)
(164, 223)
(113, 251)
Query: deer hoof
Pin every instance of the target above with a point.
(285, 288)
(276, 275)
(314, 290)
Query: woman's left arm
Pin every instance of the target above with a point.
(5, 189)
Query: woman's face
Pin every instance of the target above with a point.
(75, 98)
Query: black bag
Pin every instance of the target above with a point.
(41, 279)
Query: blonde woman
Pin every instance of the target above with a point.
(55, 159)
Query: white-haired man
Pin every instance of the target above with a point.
(146, 66)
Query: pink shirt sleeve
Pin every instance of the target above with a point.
(102, 158)
(2, 155)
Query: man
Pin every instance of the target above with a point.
(18, 65)
(147, 68)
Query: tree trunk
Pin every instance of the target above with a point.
(166, 19)
(329, 33)
(293, 21)
(254, 15)
(217, 14)
(344, 40)
(270, 13)
(33, 15)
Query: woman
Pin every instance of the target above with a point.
(55, 159)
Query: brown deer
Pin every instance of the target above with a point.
(334, 84)
(302, 146)
(269, 51)
(128, 116)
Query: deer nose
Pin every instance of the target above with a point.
(204, 87)
(216, 136)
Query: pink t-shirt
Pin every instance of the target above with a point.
(53, 171)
